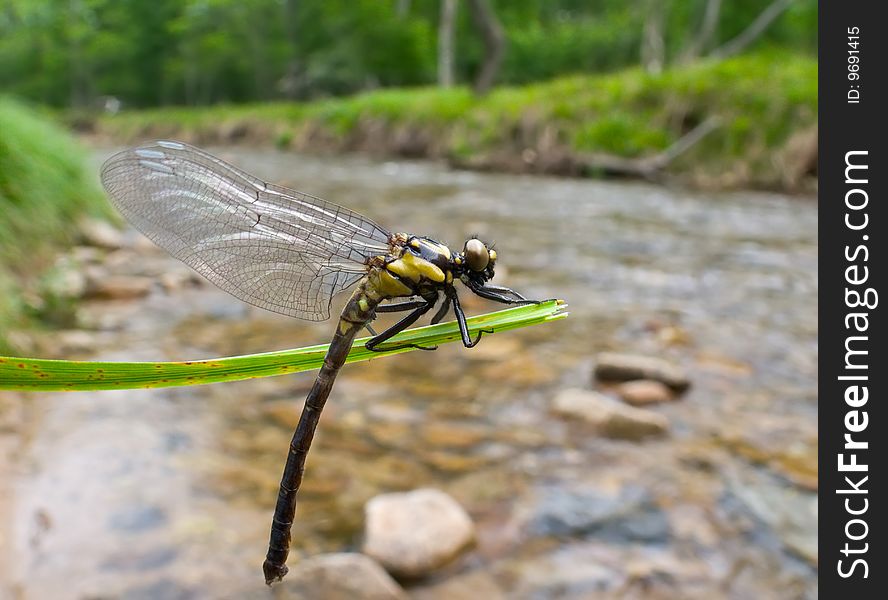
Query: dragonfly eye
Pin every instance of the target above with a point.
(477, 255)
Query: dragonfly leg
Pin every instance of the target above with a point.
(396, 307)
(461, 321)
(401, 306)
(504, 290)
(445, 306)
(498, 294)
(400, 326)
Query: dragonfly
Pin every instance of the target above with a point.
(291, 253)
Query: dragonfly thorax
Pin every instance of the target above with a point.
(417, 266)
(413, 267)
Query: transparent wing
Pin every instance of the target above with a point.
(270, 246)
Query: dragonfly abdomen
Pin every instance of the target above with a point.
(358, 311)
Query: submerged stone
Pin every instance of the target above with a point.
(626, 514)
(611, 366)
(609, 417)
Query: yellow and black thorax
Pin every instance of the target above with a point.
(414, 266)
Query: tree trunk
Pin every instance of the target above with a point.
(79, 71)
(653, 48)
(650, 167)
(402, 8)
(290, 81)
(257, 38)
(754, 31)
(494, 39)
(707, 29)
(445, 43)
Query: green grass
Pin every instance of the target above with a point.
(45, 187)
(61, 375)
(761, 100)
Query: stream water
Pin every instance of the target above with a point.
(169, 493)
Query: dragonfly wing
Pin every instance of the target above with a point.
(270, 246)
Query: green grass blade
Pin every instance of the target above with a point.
(43, 375)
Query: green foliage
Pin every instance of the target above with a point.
(44, 189)
(621, 134)
(631, 113)
(588, 44)
(76, 53)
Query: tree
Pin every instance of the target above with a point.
(737, 44)
(653, 47)
(707, 29)
(494, 39)
(754, 31)
(445, 43)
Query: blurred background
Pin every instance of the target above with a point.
(651, 162)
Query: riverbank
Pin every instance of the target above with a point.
(746, 122)
(45, 189)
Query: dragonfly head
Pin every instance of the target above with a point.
(478, 260)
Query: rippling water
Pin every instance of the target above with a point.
(169, 493)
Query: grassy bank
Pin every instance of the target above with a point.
(766, 106)
(45, 188)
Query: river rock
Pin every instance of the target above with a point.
(414, 533)
(340, 576)
(67, 282)
(24, 342)
(608, 416)
(644, 392)
(86, 254)
(571, 570)
(72, 341)
(100, 234)
(453, 462)
(625, 514)
(119, 287)
(452, 434)
(785, 444)
(520, 370)
(469, 586)
(789, 513)
(284, 413)
(12, 413)
(173, 280)
(611, 366)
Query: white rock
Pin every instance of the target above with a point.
(609, 417)
(68, 283)
(414, 533)
(100, 234)
(340, 576)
